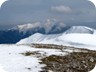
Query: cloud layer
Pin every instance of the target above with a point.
(62, 9)
(26, 11)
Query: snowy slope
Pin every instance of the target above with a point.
(74, 39)
(40, 38)
(80, 29)
(12, 60)
(86, 39)
(94, 70)
(1, 69)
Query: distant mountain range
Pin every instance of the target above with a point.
(19, 32)
(78, 36)
(49, 28)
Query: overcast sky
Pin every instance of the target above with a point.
(28, 11)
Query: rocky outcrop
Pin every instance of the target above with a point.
(73, 62)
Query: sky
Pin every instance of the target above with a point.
(15, 12)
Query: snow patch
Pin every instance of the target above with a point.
(12, 60)
(1, 69)
(94, 70)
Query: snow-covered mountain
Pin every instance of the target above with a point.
(29, 28)
(54, 26)
(81, 39)
(39, 38)
(19, 32)
(80, 29)
(47, 27)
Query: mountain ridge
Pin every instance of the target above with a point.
(85, 39)
(19, 32)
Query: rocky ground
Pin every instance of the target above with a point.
(73, 62)
(76, 60)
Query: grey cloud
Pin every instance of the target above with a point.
(27, 11)
(62, 9)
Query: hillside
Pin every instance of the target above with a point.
(45, 58)
(81, 40)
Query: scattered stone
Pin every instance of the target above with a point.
(74, 62)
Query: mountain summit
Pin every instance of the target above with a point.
(80, 29)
